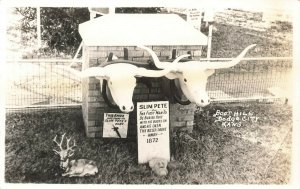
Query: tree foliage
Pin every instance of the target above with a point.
(28, 21)
(59, 26)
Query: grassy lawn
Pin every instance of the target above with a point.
(228, 41)
(256, 153)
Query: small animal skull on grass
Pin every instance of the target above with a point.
(159, 166)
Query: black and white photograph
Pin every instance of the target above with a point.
(142, 95)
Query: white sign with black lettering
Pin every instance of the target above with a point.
(115, 125)
(153, 130)
(194, 17)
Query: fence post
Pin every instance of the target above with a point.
(112, 10)
(38, 16)
(209, 41)
(209, 18)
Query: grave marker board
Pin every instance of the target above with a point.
(153, 130)
(115, 125)
(194, 17)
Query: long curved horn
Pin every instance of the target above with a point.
(219, 65)
(180, 57)
(157, 62)
(142, 72)
(93, 72)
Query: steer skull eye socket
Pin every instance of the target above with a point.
(184, 80)
(123, 107)
(202, 101)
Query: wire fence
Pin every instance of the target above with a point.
(50, 84)
(263, 78)
(41, 83)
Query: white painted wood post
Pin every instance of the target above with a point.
(188, 17)
(92, 15)
(209, 17)
(112, 10)
(39, 38)
(76, 54)
(209, 41)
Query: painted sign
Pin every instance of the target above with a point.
(115, 125)
(234, 118)
(194, 17)
(153, 131)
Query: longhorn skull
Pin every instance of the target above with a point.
(192, 75)
(121, 81)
